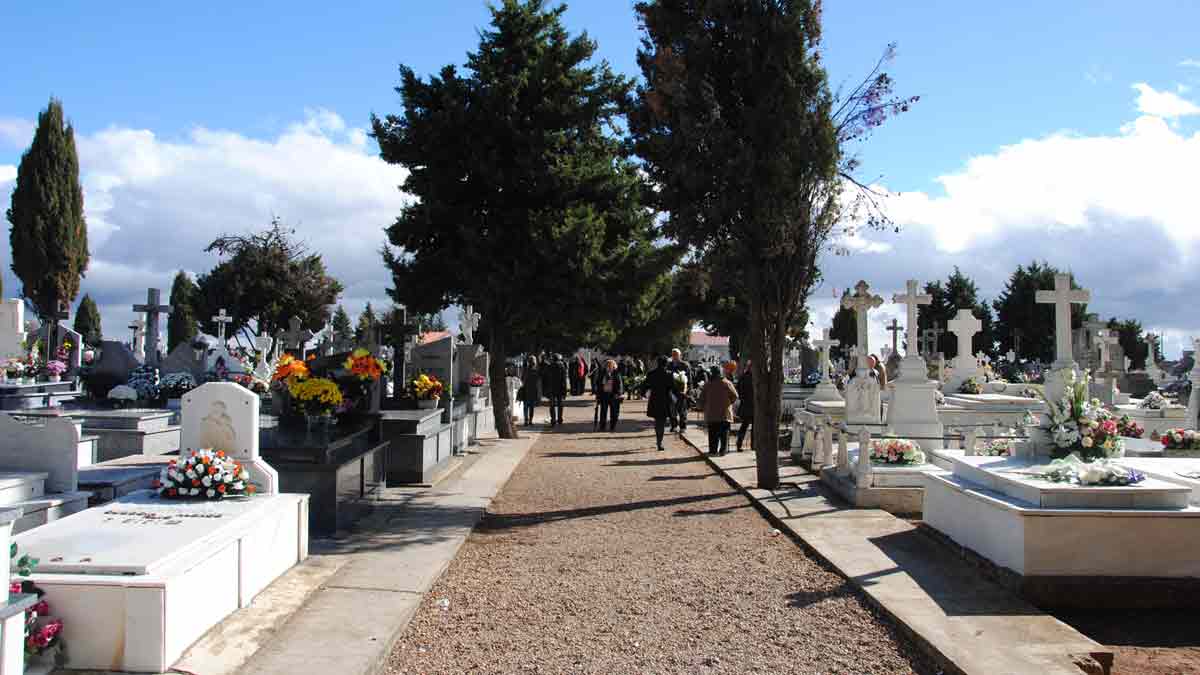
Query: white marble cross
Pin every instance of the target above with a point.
(468, 322)
(222, 318)
(824, 345)
(862, 302)
(912, 300)
(1062, 297)
(964, 325)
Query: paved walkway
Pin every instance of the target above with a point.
(602, 555)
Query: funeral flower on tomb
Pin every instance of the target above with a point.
(361, 370)
(1180, 439)
(477, 380)
(43, 633)
(363, 365)
(999, 447)
(204, 474)
(896, 451)
(315, 395)
(1154, 401)
(175, 385)
(144, 381)
(1081, 425)
(1072, 469)
(426, 387)
(1128, 428)
(971, 386)
(288, 368)
(251, 382)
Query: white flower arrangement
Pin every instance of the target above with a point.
(1072, 469)
(1154, 401)
(896, 451)
(204, 474)
(1082, 425)
(999, 447)
(122, 392)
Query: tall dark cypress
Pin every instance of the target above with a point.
(49, 233)
(87, 321)
(181, 325)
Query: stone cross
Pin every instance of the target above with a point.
(1106, 339)
(137, 344)
(824, 345)
(1151, 341)
(222, 318)
(468, 322)
(1062, 297)
(296, 337)
(262, 368)
(964, 326)
(894, 329)
(152, 309)
(1011, 356)
(862, 302)
(912, 300)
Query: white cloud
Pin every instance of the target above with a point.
(8, 174)
(1115, 209)
(15, 132)
(1190, 63)
(1163, 104)
(153, 204)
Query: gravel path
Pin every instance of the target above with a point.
(602, 555)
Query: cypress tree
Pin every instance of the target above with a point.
(49, 233)
(87, 321)
(341, 322)
(362, 330)
(181, 325)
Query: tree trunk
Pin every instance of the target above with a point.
(497, 378)
(766, 349)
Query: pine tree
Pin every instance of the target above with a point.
(182, 325)
(49, 233)
(1025, 325)
(341, 323)
(87, 321)
(539, 205)
(362, 330)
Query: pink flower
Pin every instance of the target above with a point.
(14, 587)
(42, 608)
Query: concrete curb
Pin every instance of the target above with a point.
(845, 540)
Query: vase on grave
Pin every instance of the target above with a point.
(318, 422)
(427, 403)
(54, 378)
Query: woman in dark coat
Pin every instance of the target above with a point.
(610, 388)
(531, 388)
(745, 390)
(661, 386)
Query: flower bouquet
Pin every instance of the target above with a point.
(1081, 425)
(971, 386)
(43, 633)
(314, 396)
(1180, 439)
(680, 380)
(999, 447)
(204, 474)
(896, 451)
(1154, 401)
(175, 385)
(1072, 469)
(477, 380)
(289, 367)
(427, 391)
(1128, 428)
(363, 371)
(55, 370)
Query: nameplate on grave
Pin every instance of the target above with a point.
(139, 534)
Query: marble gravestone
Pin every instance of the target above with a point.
(12, 328)
(225, 416)
(138, 340)
(966, 366)
(863, 404)
(1062, 297)
(432, 359)
(115, 360)
(913, 407)
(75, 353)
(264, 363)
(826, 390)
(183, 359)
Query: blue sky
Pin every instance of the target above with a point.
(181, 105)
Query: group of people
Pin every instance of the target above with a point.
(726, 393)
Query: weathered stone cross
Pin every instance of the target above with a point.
(824, 345)
(296, 337)
(895, 330)
(912, 300)
(931, 336)
(861, 302)
(152, 308)
(1062, 297)
(1106, 339)
(222, 318)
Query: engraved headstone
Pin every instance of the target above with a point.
(224, 416)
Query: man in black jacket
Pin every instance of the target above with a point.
(554, 387)
(745, 390)
(679, 416)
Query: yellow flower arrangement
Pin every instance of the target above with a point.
(363, 365)
(426, 387)
(315, 395)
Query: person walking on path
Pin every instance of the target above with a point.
(716, 400)
(554, 387)
(679, 414)
(745, 391)
(661, 387)
(579, 370)
(530, 392)
(610, 388)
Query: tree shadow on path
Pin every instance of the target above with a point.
(504, 521)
